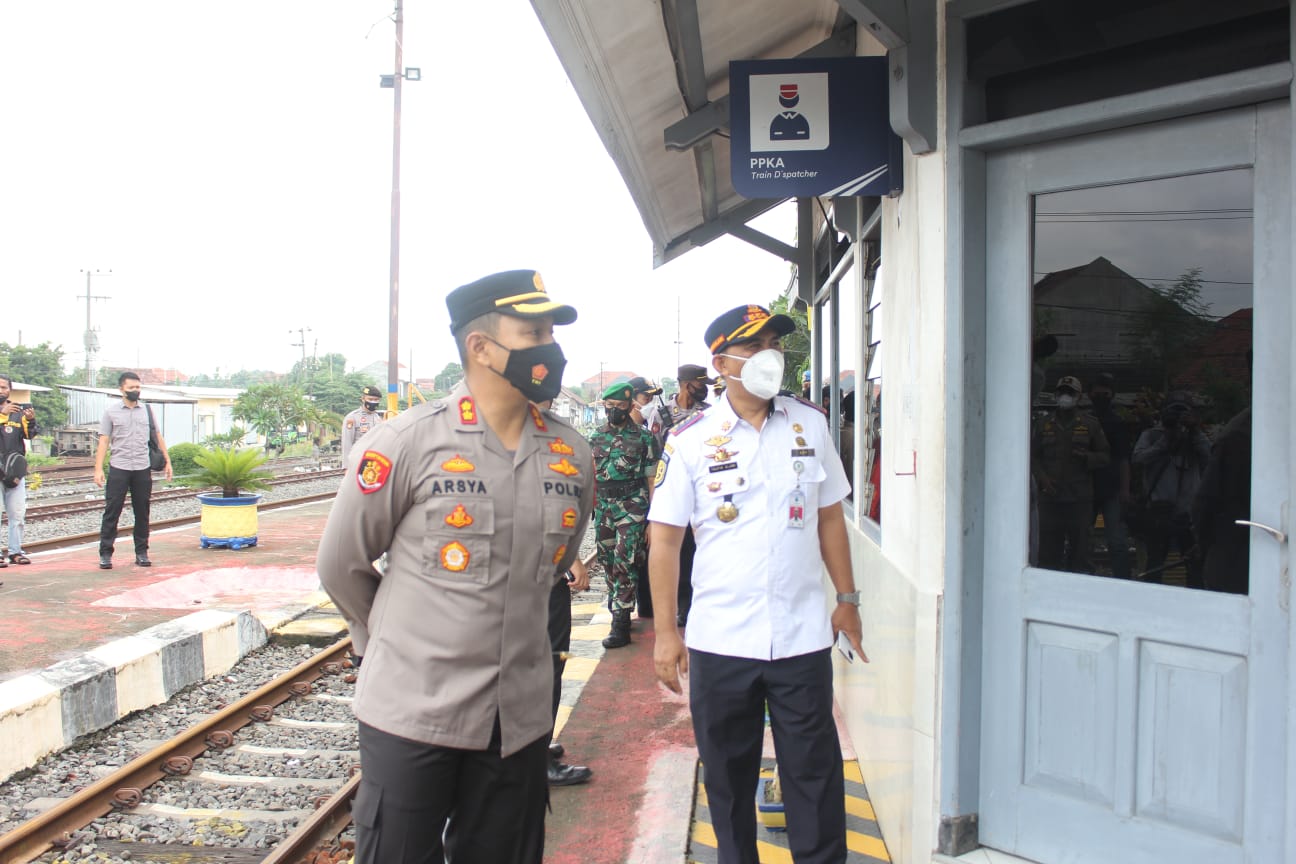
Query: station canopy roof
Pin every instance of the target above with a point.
(646, 72)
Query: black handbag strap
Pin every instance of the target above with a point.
(152, 428)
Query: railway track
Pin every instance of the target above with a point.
(256, 746)
(36, 512)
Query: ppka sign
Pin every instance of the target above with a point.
(804, 127)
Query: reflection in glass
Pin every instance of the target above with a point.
(1140, 385)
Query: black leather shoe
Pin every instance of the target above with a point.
(568, 775)
(556, 751)
(105, 562)
(143, 561)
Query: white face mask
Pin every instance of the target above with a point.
(1066, 403)
(762, 372)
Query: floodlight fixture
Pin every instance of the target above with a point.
(413, 73)
(387, 81)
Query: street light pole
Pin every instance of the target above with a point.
(393, 331)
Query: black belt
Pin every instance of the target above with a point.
(619, 487)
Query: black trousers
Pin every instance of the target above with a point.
(728, 696)
(140, 485)
(415, 797)
(683, 593)
(559, 635)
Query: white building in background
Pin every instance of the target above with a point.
(214, 411)
(1013, 702)
(175, 415)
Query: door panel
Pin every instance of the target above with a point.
(1126, 716)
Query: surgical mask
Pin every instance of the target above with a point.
(131, 395)
(536, 371)
(370, 406)
(762, 373)
(617, 416)
(1066, 403)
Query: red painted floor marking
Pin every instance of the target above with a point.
(622, 721)
(252, 588)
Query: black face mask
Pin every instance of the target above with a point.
(370, 406)
(618, 416)
(131, 395)
(524, 364)
(698, 394)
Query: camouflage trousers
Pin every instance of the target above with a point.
(619, 527)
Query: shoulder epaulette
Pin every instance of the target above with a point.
(798, 398)
(436, 406)
(680, 427)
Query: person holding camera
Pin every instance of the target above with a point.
(1173, 455)
(17, 426)
(126, 428)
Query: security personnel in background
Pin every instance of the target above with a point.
(625, 455)
(758, 479)
(691, 398)
(480, 500)
(361, 420)
(1068, 446)
(642, 403)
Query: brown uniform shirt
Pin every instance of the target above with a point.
(455, 631)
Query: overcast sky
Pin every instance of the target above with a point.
(230, 163)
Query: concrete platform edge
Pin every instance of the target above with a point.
(46, 711)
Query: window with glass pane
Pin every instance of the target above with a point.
(1140, 387)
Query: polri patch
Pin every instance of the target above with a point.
(454, 557)
(458, 465)
(660, 477)
(569, 518)
(459, 517)
(373, 471)
(563, 467)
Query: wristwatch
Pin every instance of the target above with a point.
(851, 598)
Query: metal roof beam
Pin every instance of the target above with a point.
(710, 230)
(684, 33)
(713, 117)
(908, 30)
(769, 244)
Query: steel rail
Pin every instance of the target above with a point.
(320, 831)
(124, 788)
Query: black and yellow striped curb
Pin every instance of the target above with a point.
(864, 842)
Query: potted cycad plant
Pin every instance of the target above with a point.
(229, 518)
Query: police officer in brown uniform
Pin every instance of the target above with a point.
(480, 500)
(1068, 447)
(361, 420)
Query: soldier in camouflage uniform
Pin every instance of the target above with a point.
(625, 457)
(1067, 448)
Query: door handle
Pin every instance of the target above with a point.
(1272, 532)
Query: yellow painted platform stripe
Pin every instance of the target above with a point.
(579, 609)
(704, 834)
(771, 854)
(866, 845)
(851, 770)
(860, 807)
(564, 713)
(579, 668)
(590, 632)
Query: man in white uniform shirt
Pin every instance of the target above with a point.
(759, 481)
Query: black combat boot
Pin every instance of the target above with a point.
(620, 635)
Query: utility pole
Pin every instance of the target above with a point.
(301, 333)
(91, 337)
(393, 331)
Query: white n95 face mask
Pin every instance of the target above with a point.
(762, 373)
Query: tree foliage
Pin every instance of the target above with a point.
(41, 365)
(796, 345)
(231, 470)
(448, 377)
(269, 408)
(1173, 323)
